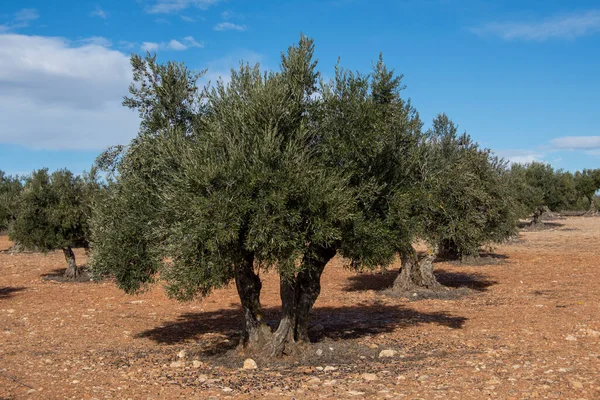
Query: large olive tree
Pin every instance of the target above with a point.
(273, 171)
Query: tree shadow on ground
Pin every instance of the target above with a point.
(58, 275)
(483, 258)
(385, 280)
(545, 225)
(9, 291)
(218, 331)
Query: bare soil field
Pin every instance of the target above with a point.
(529, 329)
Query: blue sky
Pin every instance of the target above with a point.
(522, 77)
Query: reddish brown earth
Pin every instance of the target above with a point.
(531, 329)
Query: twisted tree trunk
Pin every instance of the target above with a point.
(298, 296)
(537, 215)
(255, 334)
(308, 288)
(592, 210)
(415, 274)
(448, 250)
(72, 271)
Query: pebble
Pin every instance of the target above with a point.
(177, 364)
(314, 381)
(196, 364)
(369, 377)
(250, 364)
(182, 354)
(571, 338)
(319, 352)
(329, 368)
(355, 393)
(387, 353)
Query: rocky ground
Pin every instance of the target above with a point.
(530, 329)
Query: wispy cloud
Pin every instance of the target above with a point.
(176, 45)
(174, 6)
(187, 19)
(20, 19)
(568, 26)
(228, 26)
(576, 143)
(150, 46)
(99, 12)
(520, 156)
(96, 41)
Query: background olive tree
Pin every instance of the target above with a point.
(10, 190)
(53, 212)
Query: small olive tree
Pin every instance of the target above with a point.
(52, 213)
(10, 190)
(462, 200)
(587, 183)
(539, 188)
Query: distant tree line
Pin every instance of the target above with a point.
(280, 171)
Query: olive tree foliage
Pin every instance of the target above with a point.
(587, 183)
(10, 190)
(462, 200)
(539, 187)
(276, 171)
(471, 202)
(53, 212)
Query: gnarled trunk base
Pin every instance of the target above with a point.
(72, 271)
(417, 275)
(255, 334)
(298, 296)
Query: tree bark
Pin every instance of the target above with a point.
(72, 271)
(255, 334)
(537, 214)
(298, 296)
(592, 210)
(415, 274)
(283, 338)
(448, 250)
(308, 288)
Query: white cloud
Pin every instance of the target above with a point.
(228, 26)
(562, 27)
(186, 43)
(520, 156)
(191, 42)
(576, 142)
(96, 40)
(99, 12)
(187, 19)
(173, 6)
(150, 46)
(20, 19)
(176, 45)
(57, 94)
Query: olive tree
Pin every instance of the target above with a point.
(274, 171)
(539, 187)
(462, 200)
(587, 183)
(52, 213)
(10, 190)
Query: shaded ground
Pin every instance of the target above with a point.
(529, 329)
